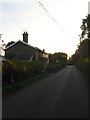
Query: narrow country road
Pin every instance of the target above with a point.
(61, 95)
(0, 90)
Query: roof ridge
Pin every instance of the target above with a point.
(36, 48)
(16, 43)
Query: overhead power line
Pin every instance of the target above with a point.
(49, 15)
(12, 15)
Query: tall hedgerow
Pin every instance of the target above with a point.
(14, 71)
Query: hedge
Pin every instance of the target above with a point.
(82, 65)
(15, 71)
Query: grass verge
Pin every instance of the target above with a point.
(15, 87)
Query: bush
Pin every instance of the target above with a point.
(55, 67)
(18, 70)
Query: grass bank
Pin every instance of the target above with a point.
(11, 89)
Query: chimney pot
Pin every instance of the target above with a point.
(25, 37)
(43, 50)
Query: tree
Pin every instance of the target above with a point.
(85, 27)
(9, 43)
(85, 35)
(82, 50)
(57, 58)
(2, 45)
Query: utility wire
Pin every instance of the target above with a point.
(12, 16)
(52, 18)
(49, 15)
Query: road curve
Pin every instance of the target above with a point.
(61, 95)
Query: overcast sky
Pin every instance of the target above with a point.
(57, 30)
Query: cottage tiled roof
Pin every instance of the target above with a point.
(16, 43)
(24, 44)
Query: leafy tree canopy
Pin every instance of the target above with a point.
(2, 46)
(85, 27)
(9, 43)
(82, 50)
(56, 57)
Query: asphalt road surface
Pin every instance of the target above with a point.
(61, 95)
(0, 89)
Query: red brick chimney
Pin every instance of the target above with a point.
(25, 37)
